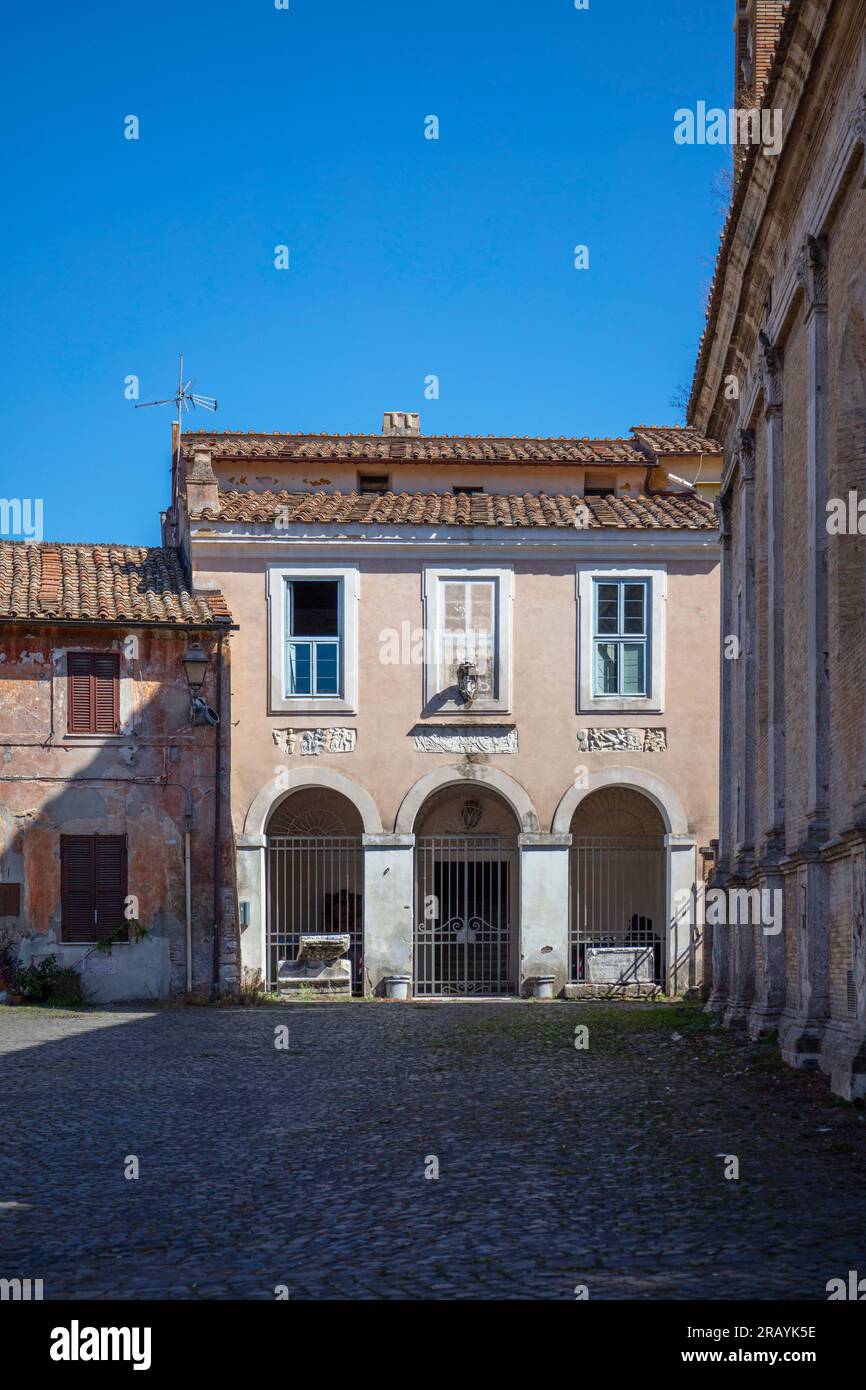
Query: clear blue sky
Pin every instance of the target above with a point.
(408, 256)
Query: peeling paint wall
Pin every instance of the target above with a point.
(150, 782)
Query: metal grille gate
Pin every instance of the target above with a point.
(315, 884)
(465, 897)
(617, 909)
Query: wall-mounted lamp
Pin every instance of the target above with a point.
(467, 681)
(195, 664)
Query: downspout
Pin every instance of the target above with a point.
(217, 818)
(187, 870)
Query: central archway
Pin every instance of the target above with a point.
(466, 893)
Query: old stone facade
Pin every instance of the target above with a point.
(473, 718)
(781, 381)
(107, 787)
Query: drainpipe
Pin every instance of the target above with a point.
(217, 817)
(187, 870)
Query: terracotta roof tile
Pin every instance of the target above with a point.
(101, 583)
(667, 439)
(660, 511)
(366, 448)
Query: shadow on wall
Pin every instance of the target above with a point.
(146, 787)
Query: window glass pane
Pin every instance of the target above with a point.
(300, 668)
(481, 616)
(606, 668)
(455, 604)
(607, 603)
(634, 600)
(633, 654)
(314, 608)
(327, 668)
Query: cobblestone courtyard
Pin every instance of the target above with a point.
(305, 1167)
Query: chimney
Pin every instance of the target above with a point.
(202, 488)
(759, 24)
(401, 422)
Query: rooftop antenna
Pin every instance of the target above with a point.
(185, 398)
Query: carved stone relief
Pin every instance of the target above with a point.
(463, 740)
(622, 740)
(312, 742)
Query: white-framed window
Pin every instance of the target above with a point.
(621, 638)
(468, 620)
(313, 641)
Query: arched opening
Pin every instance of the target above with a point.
(466, 893)
(315, 876)
(617, 890)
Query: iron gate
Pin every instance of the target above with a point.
(315, 884)
(618, 913)
(465, 898)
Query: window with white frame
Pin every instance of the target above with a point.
(468, 623)
(313, 643)
(314, 650)
(621, 638)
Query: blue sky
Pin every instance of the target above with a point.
(409, 257)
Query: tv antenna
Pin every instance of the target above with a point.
(186, 399)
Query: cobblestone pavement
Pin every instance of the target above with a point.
(304, 1167)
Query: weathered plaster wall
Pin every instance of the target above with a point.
(149, 782)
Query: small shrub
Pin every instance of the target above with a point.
(49, 983)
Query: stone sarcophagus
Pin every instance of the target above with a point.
(322, 964)
(619, 965)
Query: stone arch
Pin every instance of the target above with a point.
(478, 775)
(665, 799)
(277, 790)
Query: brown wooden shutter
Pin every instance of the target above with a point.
(76, 860)
(80, 692)
(94, 684)
(109, 882)
(106, 680)
(93, 885)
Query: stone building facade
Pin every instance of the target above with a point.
(473, 719)
(781, 381)
(109, 809)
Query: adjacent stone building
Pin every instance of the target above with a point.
(474, 714)
(114, 786)
(781, 381)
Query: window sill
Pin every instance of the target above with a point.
(624, 704)
(313, 704)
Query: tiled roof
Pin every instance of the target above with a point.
(413, 448)
(103, 583)
(416, 448)
(667, 439)
(661, 511)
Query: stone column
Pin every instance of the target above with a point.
(812, 275)
(746, 662)
(389, 890)
(770, 367)
(770, 980)
(801, 1030)
(251, 889)
(718, 1000)
(544, 915)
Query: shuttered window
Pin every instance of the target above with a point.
(93, 886)
(93, 695)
